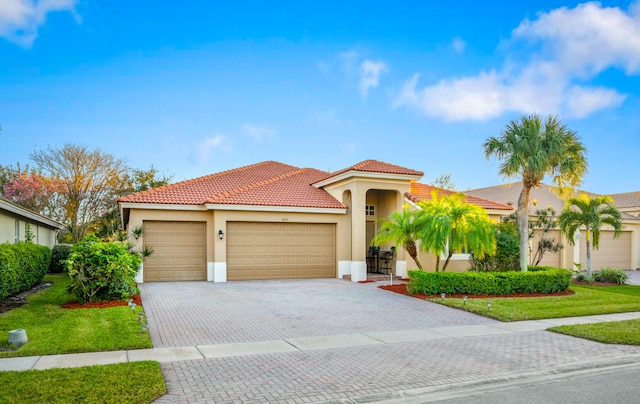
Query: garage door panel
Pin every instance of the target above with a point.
(612, 252)
(179, 251)
(280, 250)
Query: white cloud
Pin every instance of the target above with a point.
(20, 19)
(208, 145)
(582, 101)
(370, 72)
(567, 49)
(459, 45)
(256, 132)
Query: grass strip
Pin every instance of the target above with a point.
(616, 332)
(587, 300)
(52, 329)
(135, 382)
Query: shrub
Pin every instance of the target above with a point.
(59, 254)
(550, 280)
(611, 275)
(22, 266)
(507, 257)
(102, 270)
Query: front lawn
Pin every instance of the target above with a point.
(587, 300)
(52, 329)
(616, 332)
(136, 382)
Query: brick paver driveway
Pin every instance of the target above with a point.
(204, 313)
(199, 313)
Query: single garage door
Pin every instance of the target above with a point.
(179, 251)
(257, 250)
(612, 252)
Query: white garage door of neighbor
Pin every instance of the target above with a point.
(612, 252)
(179, 251)
(257, 250)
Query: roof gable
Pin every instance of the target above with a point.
(421, 191)
(371, 167)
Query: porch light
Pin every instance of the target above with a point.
(220, 234)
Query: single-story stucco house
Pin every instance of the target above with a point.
(622, 252)
(16, 221)
(271, 220)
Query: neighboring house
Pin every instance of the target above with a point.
(16, 221)
(622, 252)
(271, 221)
(628, 202)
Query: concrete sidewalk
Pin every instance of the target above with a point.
(202, 352)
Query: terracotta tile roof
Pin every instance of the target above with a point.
(266, 184)
(375, 166)
(421, 191)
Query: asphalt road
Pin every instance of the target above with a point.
(611, 385)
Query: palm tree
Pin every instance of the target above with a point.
(401, 229)
(530, 149)
(592, 214)
(450, 226)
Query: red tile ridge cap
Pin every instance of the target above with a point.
(254, 185)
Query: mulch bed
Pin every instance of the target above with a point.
(20, 299)
(102, 305)
(402, 289)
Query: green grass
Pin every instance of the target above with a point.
(587, 300)
(617, 332)
(53, 330)
(135, 382)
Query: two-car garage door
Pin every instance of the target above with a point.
(258, 250)
(255, 250)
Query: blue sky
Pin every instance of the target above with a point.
(196, 87)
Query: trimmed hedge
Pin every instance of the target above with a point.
(59, 254)
(537, 280)
(22, 266)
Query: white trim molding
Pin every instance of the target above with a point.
(344, 268)
(219, 272)
(265, 208)
(358, 271)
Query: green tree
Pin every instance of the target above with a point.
(545, 221)
(507, 256)
(449, 225)
(591, 214)
(134, 180)
(531, 149)
(401, 229)
(91, 181)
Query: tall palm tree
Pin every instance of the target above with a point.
(450, 226)
(401, 229)
(530, 149)
(592, 214)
